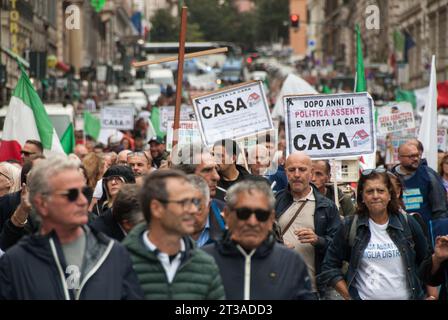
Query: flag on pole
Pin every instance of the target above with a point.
(27, 120)
(92, 125)
(428, 127)
(367, 161)
(361, 85)
(68, 139)
(155, 121)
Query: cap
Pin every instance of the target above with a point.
(159, 140)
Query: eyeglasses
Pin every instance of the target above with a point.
(185, 203)
(410, 156)
(27, 153)
(115, 179)
(244, 213)
(73, 194)
(368, 172)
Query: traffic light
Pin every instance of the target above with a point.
(294, 20)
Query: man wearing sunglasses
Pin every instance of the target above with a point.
(65, 260)
(307, 219)
(252, 264)
(31, 147)
(168, 264)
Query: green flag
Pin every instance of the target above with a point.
(92, 125)
(326, 89)
(399, 41)
(406, 95)
(68, 139)
(155, 120)
(361, 84)
(98, 4)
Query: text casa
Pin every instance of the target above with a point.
(325, 142)
(228, 107)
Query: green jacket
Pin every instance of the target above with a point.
(197, 277)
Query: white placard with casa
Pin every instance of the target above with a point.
(233, 113)
(166, 113)
(188, 134)
(117, 118)
(330, 126)
(395, 116)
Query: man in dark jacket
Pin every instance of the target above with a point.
(167, 263)
(252, 264)
(66, 260)
(125, 214)
(226, 153)
(307, 219)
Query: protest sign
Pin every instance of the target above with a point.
(330, 126)
(395, 116)
(117, 118)
(441, 139)
(233, 113)
(188, 134)
(167, 114)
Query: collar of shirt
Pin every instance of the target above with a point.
(152, 247)
(205, 234)
(309, 197)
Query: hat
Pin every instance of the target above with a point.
(121, 171)
(159, 140)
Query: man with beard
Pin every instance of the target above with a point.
(423, 192)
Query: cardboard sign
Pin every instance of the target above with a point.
(188, 134)
(330, 126)
(395, 116)
(233, 113)
(167, 114)
(117, 118)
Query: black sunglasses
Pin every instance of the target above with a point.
(244, 213)
(73, 194)
(368, 172)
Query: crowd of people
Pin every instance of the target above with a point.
(120, 222)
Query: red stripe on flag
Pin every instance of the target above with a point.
(10, 150)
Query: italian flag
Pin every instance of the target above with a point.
(27, 119)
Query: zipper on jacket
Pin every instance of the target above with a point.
(94, 269)
(61, 272)
(247, 264)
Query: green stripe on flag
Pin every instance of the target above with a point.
(68, 139)
(155, 120)
(361, 85)
(92, 125)
(25, 92)
(406, 95)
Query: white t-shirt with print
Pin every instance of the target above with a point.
(382, 272)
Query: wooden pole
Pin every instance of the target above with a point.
(180, 74)
(196, 54)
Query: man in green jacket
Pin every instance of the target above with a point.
(167, 263)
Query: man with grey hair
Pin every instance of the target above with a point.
(67, 260)
(202, 233)
(252, 264)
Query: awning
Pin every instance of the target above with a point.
(16, 56)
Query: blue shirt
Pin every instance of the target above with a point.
(205, 234)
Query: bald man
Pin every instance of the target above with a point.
(307, 219)
(424, 192)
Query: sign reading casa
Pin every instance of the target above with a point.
(233, 113)
(117, 118)
(330, 126)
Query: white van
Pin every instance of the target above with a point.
(60, 117)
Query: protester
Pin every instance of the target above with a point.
(250, 261)
(164, 256)
(443, 171)
(384, 247)
(435, 268)
(9, 178)
(66, 260)
(31, 147)
(80, 151)
(424, 193)
(140, 163)
(307, 219)
(95, 167)
(158, 150)
(321, 180)
(124, 215)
